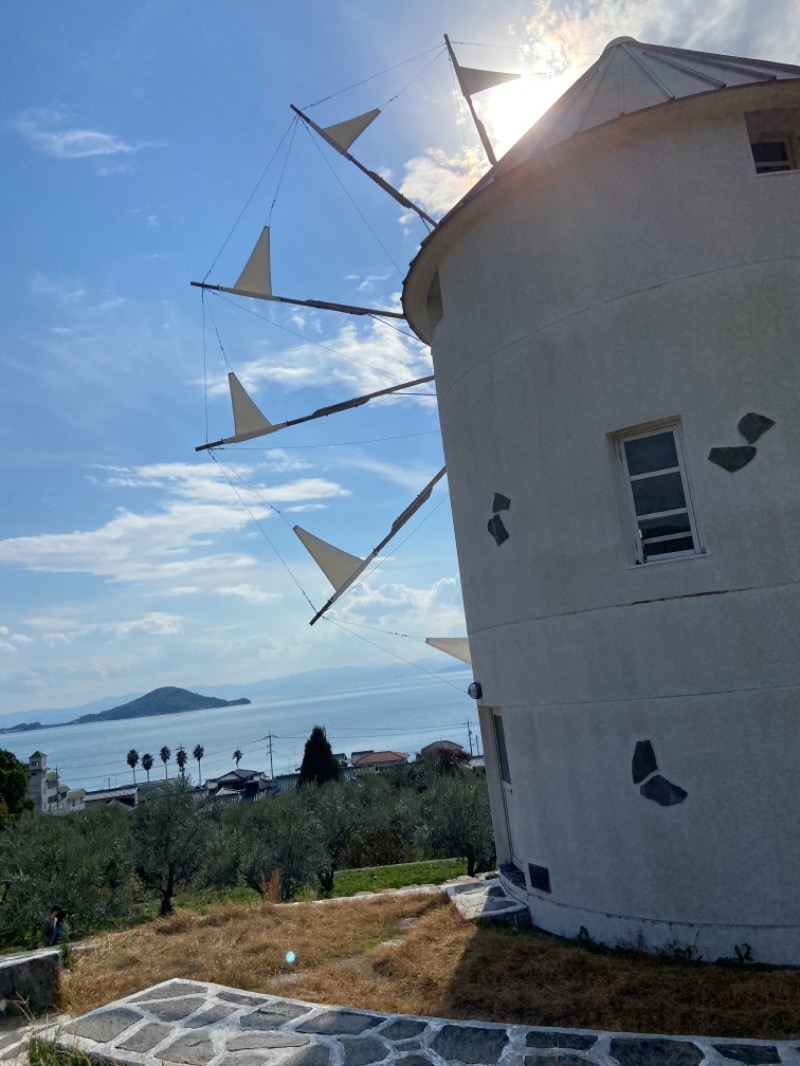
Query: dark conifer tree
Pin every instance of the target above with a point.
(319, 764)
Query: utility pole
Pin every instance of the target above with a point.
(271, 768)
(469, 734)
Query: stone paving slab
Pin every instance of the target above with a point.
(484, 898)
(227, 1027)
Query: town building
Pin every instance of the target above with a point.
(379, 761)
(613, 313)
(49, 795)
(238, 786)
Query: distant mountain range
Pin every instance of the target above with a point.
(168, 700)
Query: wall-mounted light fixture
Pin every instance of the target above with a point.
(475, 690)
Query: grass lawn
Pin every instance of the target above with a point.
(376, 878)
(442, 966)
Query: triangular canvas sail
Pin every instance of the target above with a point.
(337, 565)
(458, 647)
(257, 274)
(342, 134)
(248, 421)
(475, 81)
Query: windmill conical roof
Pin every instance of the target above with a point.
(631, 76)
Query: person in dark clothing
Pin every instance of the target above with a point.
(53, 928)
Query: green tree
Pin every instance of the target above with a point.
(164, 756)
(198, 753)
(14, 778)
(237, 757)
(181, 758)
(168, 844)
(147, 764)
(280, 835)
(458, 820)
(319, 764)
(335, 809)
(132, 759)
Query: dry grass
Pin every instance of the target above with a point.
(443, 967)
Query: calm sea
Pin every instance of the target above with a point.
(401, 716)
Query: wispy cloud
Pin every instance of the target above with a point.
(437, 181)
(55, 134)
(251, 593)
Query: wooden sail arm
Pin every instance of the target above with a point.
(322, 305)
(479, 126)
(397, 525)
(390, 189)
(322, 412)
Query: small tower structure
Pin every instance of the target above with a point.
(37, 786)
(614, 319)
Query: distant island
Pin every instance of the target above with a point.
(168, 700)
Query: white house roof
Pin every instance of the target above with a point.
(630, 76)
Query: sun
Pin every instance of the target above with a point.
(510, 110)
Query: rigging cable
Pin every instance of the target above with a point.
(307, 340)
(372, 77)
(357, 209)
(441, 52)
(250, 197)
(342, 443)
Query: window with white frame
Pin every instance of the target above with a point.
(658, 493)
(774, 139)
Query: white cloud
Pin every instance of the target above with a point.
(50, 132)
(437, 181)
(251, 593)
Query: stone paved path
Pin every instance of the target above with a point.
(188, 1023)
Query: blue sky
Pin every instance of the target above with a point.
(132, 136)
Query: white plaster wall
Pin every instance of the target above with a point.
(641, 271)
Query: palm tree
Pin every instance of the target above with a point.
(181, 758)
(132, 759)
(164, 756)
(237, 755)
(147, 764)
(198, 754)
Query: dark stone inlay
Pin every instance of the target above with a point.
(194, 1049)
(172, 1010)
(249, 1041)
(500, 502)
(644, 1052)
(498, 905)
(317, 1055)
(208, 1017)
(470, 1043)
(240, 997)
(403, 1029)
(495, 892)
(255, 1058)
(497, 529)
(747, 1053)
(575, 1041)
(663, 792)
(751, 427)
(106, 1025)
(150, 1035)
(360, 1051)
(562, 1058)
(513, 874)
(540, 877)
(339, 1022)
(409, 1045)
(171, 990)
(732, 459)
(412, 1060)
(272, 1015)
(644, 761)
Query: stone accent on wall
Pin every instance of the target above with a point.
(500, 502)
(644, 761)
(663, 792)
(497, 529)
(753, 426)
(732, 459)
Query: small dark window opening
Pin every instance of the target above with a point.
(435, 309)
(774, 139)
(502, 750)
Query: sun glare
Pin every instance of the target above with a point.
(511, 109)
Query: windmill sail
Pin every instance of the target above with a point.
(249, 421)
(458, 647)
(257, 274)
(472, 81)
(340, 567)
(341, 135)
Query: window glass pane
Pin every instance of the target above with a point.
(662, 527)
(663, 492)
(502, 753)
(770, 152)
(651, 453)
(666, 547)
